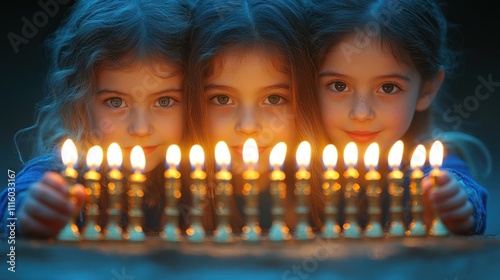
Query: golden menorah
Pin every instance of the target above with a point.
(333, 192)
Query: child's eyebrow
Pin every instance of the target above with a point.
(394, 76)
(108, 91)
(163, 91)
(329, 73)
(277, 86)
(219, 87)
(227, 88)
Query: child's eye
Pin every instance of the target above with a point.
(221, 100)
(274, 100)
(164, 102)
(389, 89)
(338, 86)
(116, 102)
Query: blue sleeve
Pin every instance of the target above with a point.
(32, 172)
(477, 194)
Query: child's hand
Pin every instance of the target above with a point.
(47, 207)
(449, 200)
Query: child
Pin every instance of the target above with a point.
(381, 65)
(248, 63)
(116, 76)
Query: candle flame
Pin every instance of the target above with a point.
(173, 156)
(330, 156)
(197, 156)
(303, 154)
(222, 154)
(137, 158)
(114, 155)
(278, 154)
(250, 152)
(436, 154)
(396, 154)
(351, 154)
(372, 155)
(69, 155)
(94, 157)
(418, 157)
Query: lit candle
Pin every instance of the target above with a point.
(279, 230)
(252, 230)
(196, 232)
(171, 231)
(224, 190)
(93, 190)
(436, 160)
(331, 190)
(417, 226)
(69, 158)
(351, 227)
(135, 195)
(115, 187)
(303, 230)
(395, 179)
(374, 227)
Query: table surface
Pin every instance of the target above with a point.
(442, 258)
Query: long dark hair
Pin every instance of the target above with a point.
(279, 26)
(416, 33)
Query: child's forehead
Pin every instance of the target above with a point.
(355, 43)
(158, 67)
(238, 55)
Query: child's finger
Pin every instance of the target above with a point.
(50, 197)
(443, 178)
(444, 192)
(461, 213)
(454, 202)
(56, 181)
(80, 197)
(41, 212)
(31, 227)
(462, 226)
(428, 183)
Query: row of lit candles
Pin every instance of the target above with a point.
(251, 156)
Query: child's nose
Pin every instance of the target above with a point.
(248, 123)
(361, 110)
(140, 124)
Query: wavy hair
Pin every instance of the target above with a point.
(416, 33)
(96, 34)
(279, 26)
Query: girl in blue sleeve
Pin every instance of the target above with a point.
(116, 75)
(380, 67)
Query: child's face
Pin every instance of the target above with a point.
(367, 95)
(248, 97)
(139, 105)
